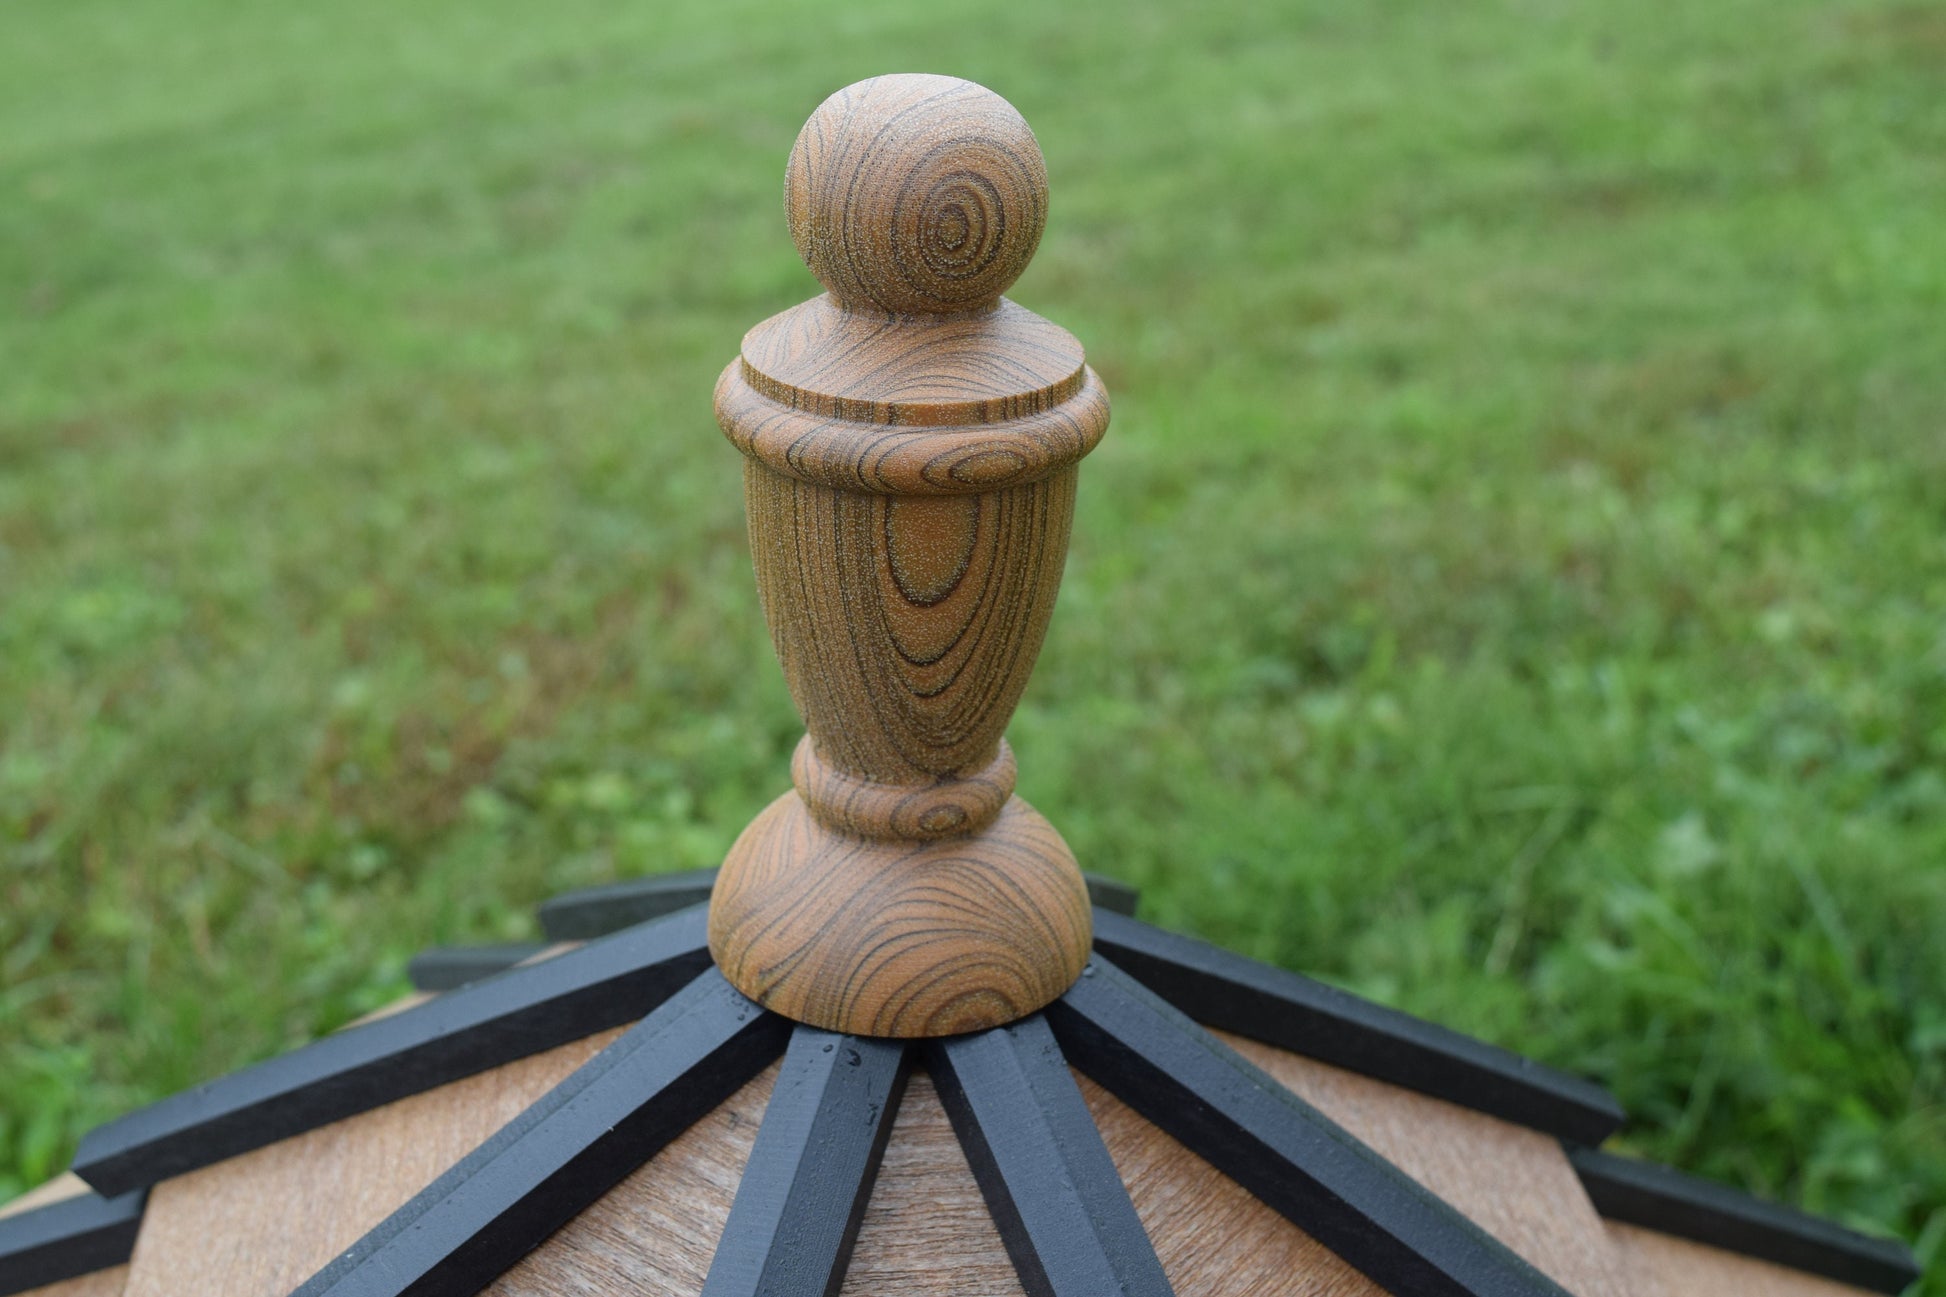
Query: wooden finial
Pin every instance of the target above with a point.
(912, 441)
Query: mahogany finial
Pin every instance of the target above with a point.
(915, 193)
(911, 440)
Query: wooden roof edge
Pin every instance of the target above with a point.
(1230, 992)
(1632, 1191)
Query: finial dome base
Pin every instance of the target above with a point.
(900, 938)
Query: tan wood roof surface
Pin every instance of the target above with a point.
(260, 1224)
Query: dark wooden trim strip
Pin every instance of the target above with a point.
(581, 1139)
(1667, 1201)
(803, 1193)
(1373, 1215)
(447, 968)
(523, 1011)
(597, 911)
(1048, 1180)
(69, 1238)
(591, 912)
(1231, 993)
(1111, 894)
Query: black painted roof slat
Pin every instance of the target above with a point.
(1048, 1179)
(1667, 1201)
(804, 1190)
(1111, 894)
(590, 912)
(596, 911)
(1335, 1188)
(1277, 1007)
(447, 968)
(565, 1151)
(69, 1238)
(522, 1011)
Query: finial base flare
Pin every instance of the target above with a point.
(903, 939)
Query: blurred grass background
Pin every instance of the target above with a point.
(1514, 586)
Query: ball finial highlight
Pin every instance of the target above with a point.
(916, 194)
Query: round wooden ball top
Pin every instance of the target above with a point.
(916, 194)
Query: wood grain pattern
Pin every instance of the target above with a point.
(865, 808)
(1663, 1266)
(656, 1231)
(260, 1224)
(1213, 1237)
(908, 939)
(564, 1152)
(986, 367)
(891, 459)
(911, 442)
(1513, 1182)
(915, 193)
(257, 1225)
(926, 1230)
(908, 627)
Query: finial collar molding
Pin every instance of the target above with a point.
(881, 459)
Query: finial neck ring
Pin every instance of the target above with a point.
(947, 808)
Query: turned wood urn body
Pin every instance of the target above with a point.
(911, 441)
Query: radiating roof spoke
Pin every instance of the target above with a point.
(1049, 1182)
(523, 1011)
(804, 1190)
(1224, 990)
(1321, 1178)
(73, 1236)
(569, 1148)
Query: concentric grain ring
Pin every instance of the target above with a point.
(916, 195)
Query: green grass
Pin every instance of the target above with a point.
(1514, 585)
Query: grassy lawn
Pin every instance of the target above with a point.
(1514, 586)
